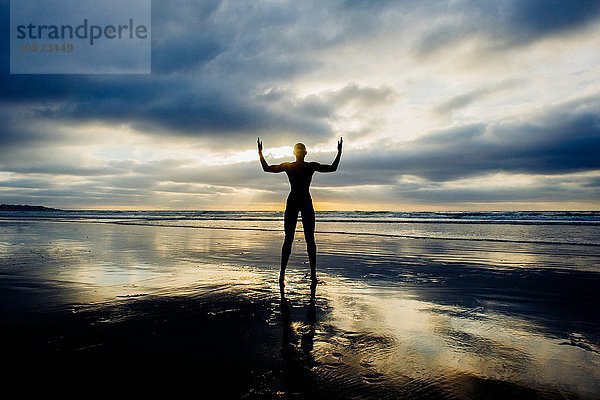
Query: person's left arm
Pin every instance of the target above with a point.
(333, 167)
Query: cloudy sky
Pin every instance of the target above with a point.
(443, 105)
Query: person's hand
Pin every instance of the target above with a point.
(340, 143)
(259, 143)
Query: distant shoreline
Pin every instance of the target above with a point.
(19, 207)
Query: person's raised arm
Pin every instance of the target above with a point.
(265, 166)
(334, 165)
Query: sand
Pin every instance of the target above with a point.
(106, 308)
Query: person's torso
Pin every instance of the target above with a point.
(300, 176)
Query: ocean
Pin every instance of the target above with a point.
(543, 227)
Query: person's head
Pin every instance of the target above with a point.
(300, 151)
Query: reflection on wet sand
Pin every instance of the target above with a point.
(173, 309)
(448, 351)
(297, 357)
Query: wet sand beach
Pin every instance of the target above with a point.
(92, 307)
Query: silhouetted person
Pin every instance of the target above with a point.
(300, 175)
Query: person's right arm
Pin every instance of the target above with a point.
(265, 166)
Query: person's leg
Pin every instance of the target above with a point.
(289, 223)
(308, 223)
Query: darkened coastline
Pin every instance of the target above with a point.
(19, 207)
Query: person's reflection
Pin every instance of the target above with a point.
(308, 336)
(298, 360)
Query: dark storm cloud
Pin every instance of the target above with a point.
(238, 175)
(13, 134)
(27, 183)
(443, 194)
(176, 43)
(38, 149)
(190, 93)
(39, 164)
(164, 183)
(593, 183)
(534, 18)
(563, 139)
(509, 23)
(210, 60)
(168, 105)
